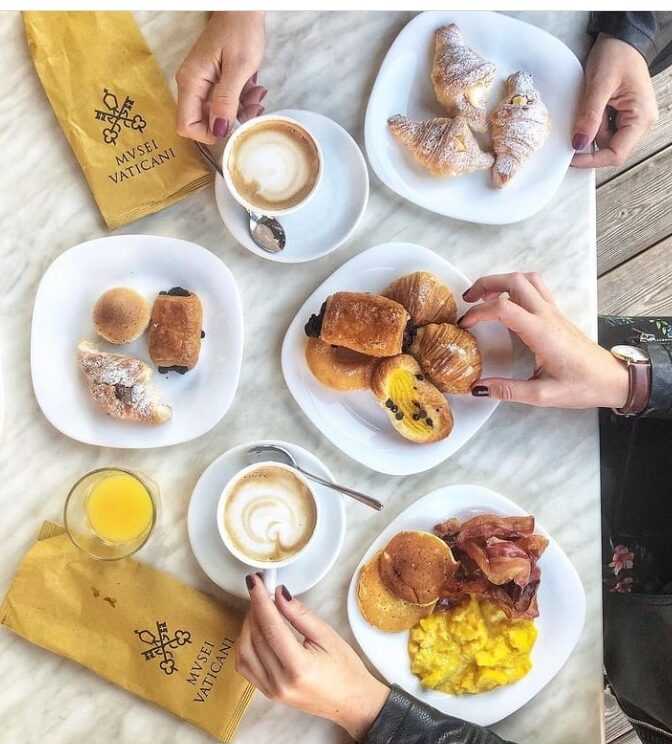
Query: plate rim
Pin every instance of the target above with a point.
(369, 126)
(362, 161)
(293, 448)
(285, 354)
(352, 605)
(97, 441)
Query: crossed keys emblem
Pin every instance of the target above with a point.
(161, 645)
(117, 115)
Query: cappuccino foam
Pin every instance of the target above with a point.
(274, 165)
(269, 514)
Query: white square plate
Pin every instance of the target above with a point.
(62, 317)
(562, 609)
(403, 86)
(354, 421)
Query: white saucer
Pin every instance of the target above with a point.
(334, 211)
(228, 572)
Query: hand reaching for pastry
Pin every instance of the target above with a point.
(571, 371)
(217, 82)
(319, 674)
(618, 104)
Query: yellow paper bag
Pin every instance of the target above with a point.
(133, 625)
(116, 110)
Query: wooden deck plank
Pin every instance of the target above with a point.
(634, 211)
(615, 722)
(641, 286)
(660, 135)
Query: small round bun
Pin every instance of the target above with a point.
(121, 315)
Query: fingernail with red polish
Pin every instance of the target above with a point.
(465, 293)
(460, 319)
(249, 580)
(580, 141)
(480, 391)
(220, 127)
(254, 77)
(263, 94)
(285, 593)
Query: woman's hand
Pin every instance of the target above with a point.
(217, 82)
(571, 371)
(320, 674)
(616, 76)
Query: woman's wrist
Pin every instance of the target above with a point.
(359, 715)
(616, 383)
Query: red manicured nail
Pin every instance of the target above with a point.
(466, 292)
(249, 580)
(580, 141)
(480, 391)
(220, 127)
(254, 77)
(285, 593)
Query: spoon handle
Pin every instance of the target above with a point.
(361, 497)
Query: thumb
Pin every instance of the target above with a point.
(532, 391)
(596, 95)
(224, 104)
(305, 621)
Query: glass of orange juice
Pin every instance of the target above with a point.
(110, 513)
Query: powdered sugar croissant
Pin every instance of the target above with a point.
(446, 147)
(461, 77)
(519, 126)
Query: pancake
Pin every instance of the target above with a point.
(380, 607)
(415, 565)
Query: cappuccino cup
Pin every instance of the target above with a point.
(267, 516)
(272, 165)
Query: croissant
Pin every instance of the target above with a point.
(461, 77)
(367, 323)
(519, 126)
(120, 385)
(448, 355)
(415, 407)
(425, 296)
(445, 147)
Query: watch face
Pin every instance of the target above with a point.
(631, 354)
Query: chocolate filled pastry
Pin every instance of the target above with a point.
(120, 385)
(175, 330)
(445, 147)
(337, 367)
(363, 322)
(415, 407)
(518, 127)
(448, 355)
(425, 296)
(461, 77)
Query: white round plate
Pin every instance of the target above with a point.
(334, 211)
(62, 317)
(228, 572)
(562, 609)
(355, 422)
(403, 86)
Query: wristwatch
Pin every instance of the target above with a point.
(639, 375)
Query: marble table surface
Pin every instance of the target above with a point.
(546, 460)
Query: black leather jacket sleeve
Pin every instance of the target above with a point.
(405, 720)
(648, 31)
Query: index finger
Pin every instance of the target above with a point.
(272, 626)
(519, 287)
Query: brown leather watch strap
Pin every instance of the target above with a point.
(639, 375)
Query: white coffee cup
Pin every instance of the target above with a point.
(269, 567)
(264, 122)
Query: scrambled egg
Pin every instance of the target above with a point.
(472, 648)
